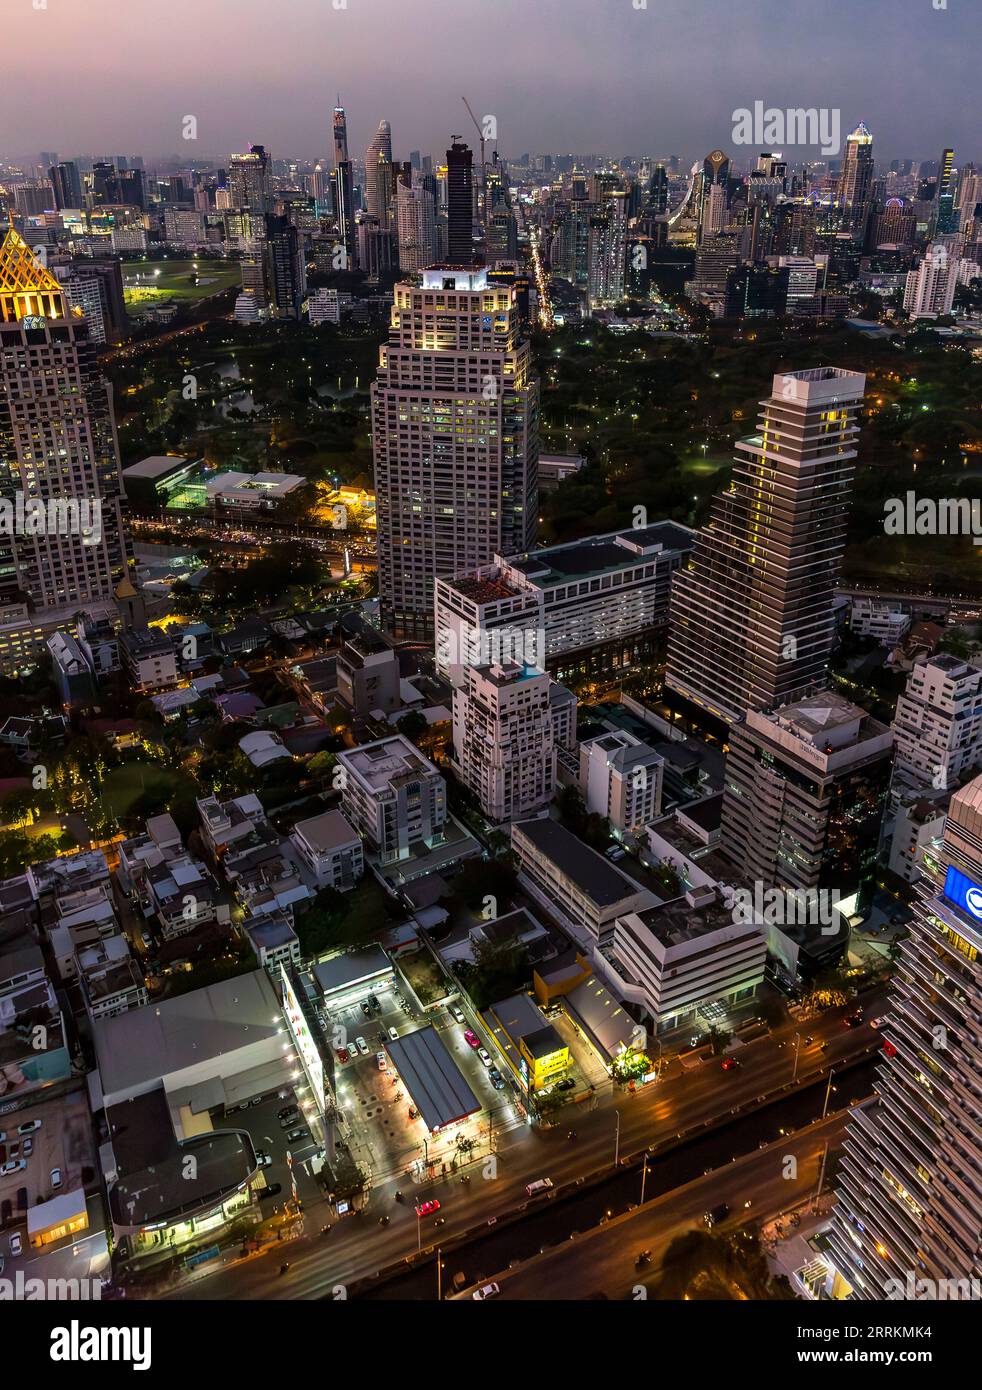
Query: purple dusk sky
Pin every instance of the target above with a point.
(118, 76)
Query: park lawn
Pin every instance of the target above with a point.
(123, 786)
(174, 281)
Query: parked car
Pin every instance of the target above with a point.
(343, 1054)
(486, 1291)
(854, 1020)
(288, 1110)
(393, 1034)
(15, 1243)
(365, 1008)
(382, 1060)
(296, 1135)
(14, 1165)
(263, 1159)
(29, 1126)
(28, 1148)
(289, 1121)
(427, 1208)
(471, 1039)
(485, 1056)
(456, 1014)
(413, 1113)
(373, 1004)
(56, 1178)
(566, 1085)
(877, 1022)
(716, 1214)
(362, 1046)
(497, 1080)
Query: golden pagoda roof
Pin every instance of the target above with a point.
(26, 286)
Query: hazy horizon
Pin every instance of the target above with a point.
(569, 76)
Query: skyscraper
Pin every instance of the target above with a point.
(248, 180)
(751, 618)
(930, 289)
(377, 161)
(286, 271)
(344, 201)
(714, 194)
(455, 429)
(58, 449)
(67, 185)
(947, 220)
(460, 204)
(910, 1181)
(415, 225)
(856, 178)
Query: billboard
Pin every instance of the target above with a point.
(304, 1041)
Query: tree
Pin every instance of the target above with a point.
(486, 878)
(413, 725)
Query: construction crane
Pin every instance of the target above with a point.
(484, 172)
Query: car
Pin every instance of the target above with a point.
(287, 1111)
(273, 1190)
(263, 1159)
(366, 1010)
(413, 1113)
(854, 1020)
(343, 1054)
(716, 1214)
(393, 1034)
(485, 1056)
(29, 1126)
(296, 1135)
(56, 1178)
(3, 1135)
(471, 1039)
(427, 1208)
(373, 1004)
(15, 1165)
(362, 1046)
(456, 1014)
(730, 1064)
(566, 1085)
(532, 1189)
(486, 1291)
(289, 1121)
(28, 1147)
(15, 1243)
(496, 1079)
(877, 1022)
(382, 1060)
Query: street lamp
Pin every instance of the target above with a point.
(797, 1039)
(828, 1092)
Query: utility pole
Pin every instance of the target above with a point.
(797, 1038)
(439, 1281)
(821, 1175)
(828, 1092)
(617, 1139)
(644, 1174)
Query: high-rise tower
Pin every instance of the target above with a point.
(856, 178)
(460, 204)
(377, 174)
(910, 1181)
(751, 618)
(344, 205)
(59, 460)
(248, 181)
(455, 427)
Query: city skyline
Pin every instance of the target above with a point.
(641, 97)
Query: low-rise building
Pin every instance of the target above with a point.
(621, 779)
(149, 658)
(368, 674)
(331, 849)
(394, 796)
(110, 979)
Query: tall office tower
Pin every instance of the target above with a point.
(947, 220)
(67, 183)
(320, 188)
(856, 179)
(415, 225)
(969, 195)
(504, 740)
(460, 204)
(286, 269)
(248, 180)
(803, 796)
(374, 246)
(502, 235)
(937, 727)
(896, 225)
(33, 196)
(376, 179)
(930, 289)
(657, 194)
(132, 190)
(713, 194)
(343, 187)
(57, 444)
(455, 421)
(910, 1182)
(607, 254)
(751, 618)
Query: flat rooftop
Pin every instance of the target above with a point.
(156, 466)
(325, 832)
(432, 1078)
(379, 764)
(597, 555)
(594, 875)
(350, 968)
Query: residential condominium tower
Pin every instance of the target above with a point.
(909, 1211)
(751, 618)
(455, 428)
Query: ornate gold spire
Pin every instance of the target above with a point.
(26, 288)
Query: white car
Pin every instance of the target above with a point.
(263, 1159)
(486, 1291)
(15, 1165)
(15, 1243)
(458, 1017)
(56, 1178)
(362, 1046)
(540, 1185)
(394, 1034)
(484, 1055)
(382, 1060)
(877, 1022)
(28, 1127)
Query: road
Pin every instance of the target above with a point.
(690, 1102)
(603, 1259)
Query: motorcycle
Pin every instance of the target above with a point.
(383, 1221)
(284, 1268)
(571, 1134)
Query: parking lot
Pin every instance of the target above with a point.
(57, 1156)
(270, 1135)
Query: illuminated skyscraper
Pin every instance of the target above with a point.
(460, 204)
(910, 1180)
(714, 194)
(344, 203)
(248, 180)
(947, 218)
(377, 174)
(856, 178)
(57, 446)
(455, 414)
(751, 618)
(415, 225)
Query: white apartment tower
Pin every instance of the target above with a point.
(751, 618)
(394, 796)
(937, 728)
(455, 428)
(910, 1182)
(415, 226)
(505, 739)
(621, 779)
(930, 289)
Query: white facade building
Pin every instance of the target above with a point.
(621, 779)
(394, 796)
(331, 849)
(930, 289)
(870, 617)
(937, 727)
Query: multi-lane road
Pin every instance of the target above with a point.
(688, 1104)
